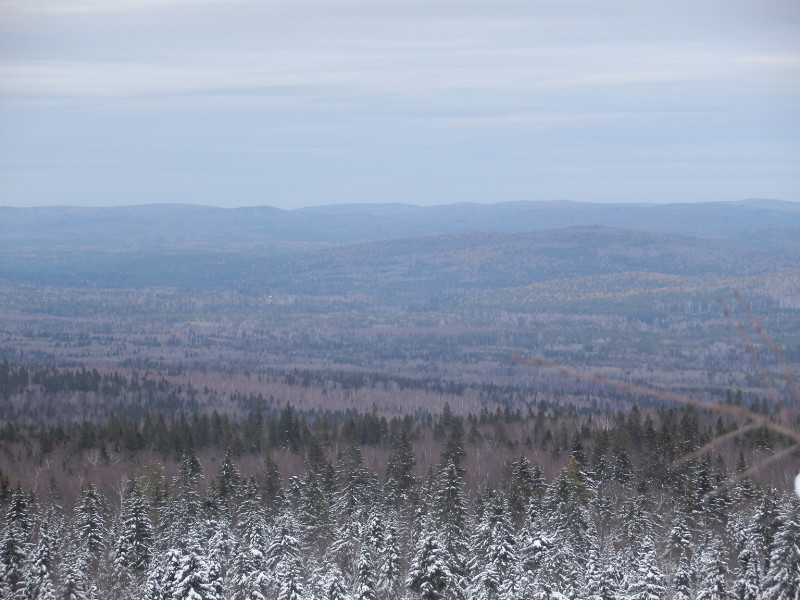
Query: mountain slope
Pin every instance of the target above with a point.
(269, 230)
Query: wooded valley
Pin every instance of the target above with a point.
(351, 402)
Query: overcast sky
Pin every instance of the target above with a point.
(294, 103)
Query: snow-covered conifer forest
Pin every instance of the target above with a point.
(618, 519)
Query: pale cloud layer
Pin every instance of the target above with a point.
(293, 103)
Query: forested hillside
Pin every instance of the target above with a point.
(358, 403)
(621, 518)
(154, 494)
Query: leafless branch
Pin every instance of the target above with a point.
(787, 372)
(715, 442)
(727, 409)
(755, 468)
(753, 420)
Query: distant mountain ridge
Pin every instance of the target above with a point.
(270, 230)
(385, 249)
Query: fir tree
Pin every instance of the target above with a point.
(782, 581)
(133, 547)
(682, 580)
(39, 584)
(314, 513)
(366, 575)
(429, 574)
(494, 556)
(680, 534)
(14, 545)
(389, 570)
(568, 526)
(358, 488)
(601, 578)
(290, 582)
(90, 513)
(648, 581)
(196, 578)
(400, 470)
(226, 485)
(332, 585)
(765, 522)
(524, 480)
(747, 584)
(711, 571)
(162, 576)
(284, 555)
(450, 518)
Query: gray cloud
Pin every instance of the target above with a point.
(296, 103)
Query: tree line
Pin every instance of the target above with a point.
(343, 531)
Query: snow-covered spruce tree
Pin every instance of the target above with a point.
(429, 575)
(358, 487)
(602, 577)
(698, 479)
(185, 572)
(248, 577)
(90, 521)
(748, 574)
(621, 466)
(424, 507)
(744, 489)
(399, 487)
(711, 571)
(270, 486)
(765, 522)
(330, 584)
(39, 583)
(314, 514)
(523, 482)
(218, 548)
(389, 568)
(290, 581)
(197, 578)
(568, 525)
(366, 583)
(353, 501)
(345, 546)
(449, 518)
(81, 575)
(533, 543)
(375, 532)
(284, 556)
(782, 581)
(184, 510)
(318, 462)
(15, 545)
(226, 487)
(493, 560)
(383, 561)
(71, 587)
(680, 535)
(680, 544)
(640, 519)
(81, 558)
(748, 581)
(133, 547)
(162, 575)
(682, 579)
(647, 582)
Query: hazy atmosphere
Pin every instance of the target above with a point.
(399, 300)
(294, 104)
